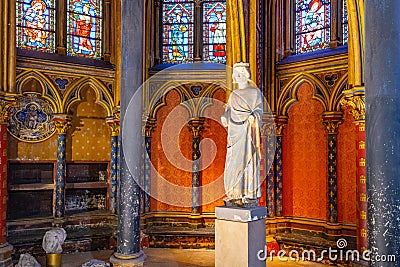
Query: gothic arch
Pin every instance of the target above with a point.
(48, 92)
(158, 100)
(288, 95)
(337, 94)
(103, 96)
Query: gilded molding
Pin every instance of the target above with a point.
(149, 127)
(114, 122)
(4, 111)
(280, 122)
(62, 123)
(331, 121)
(357, 104)
(196, 126)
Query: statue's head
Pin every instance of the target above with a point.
(241, 72)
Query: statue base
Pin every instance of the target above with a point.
(53, 260)
(120, 260)
(240, 235)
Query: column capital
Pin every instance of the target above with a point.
(331, 121)
(4, 108)
(62, 122)
(268, 127)
(355, 98)
(196, 125)
(149, 127)
(281, 122)
(113, 121)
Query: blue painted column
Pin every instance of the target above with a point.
(382, 91)
(268, 137)
(113, 122)
(270, 146)
(62, 123)
(196, 126)
(149, 126)
(130, 76)
(331, 120)
(278, 171)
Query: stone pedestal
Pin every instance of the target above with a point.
(121, 260)
(5, 255)
(239, 236)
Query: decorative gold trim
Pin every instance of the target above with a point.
(355, 100)
(62, 122)
(196, 126)
(331, 121)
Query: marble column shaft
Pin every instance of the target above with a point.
(131, 69)
(382, 92)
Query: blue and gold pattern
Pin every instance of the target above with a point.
(270, 178)
(60, 180)
(196, 126)
(332, 121)
(114, 170)
(332, 179)
(30, 119)
(195, 175)
(147, 173)
(279, 176)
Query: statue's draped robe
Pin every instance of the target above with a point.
(242, 166)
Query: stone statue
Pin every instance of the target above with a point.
(242, 117)
(53, 240)
(27, 260)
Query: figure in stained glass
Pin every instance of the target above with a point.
(178, 30)
(219, 32)
(83, 16)
(35, 23)
(313, 25)
(214, 32)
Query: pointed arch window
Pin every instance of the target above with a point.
(313, 20)
(314, 26)
(69, 27)
(84, 28)
(193, 31)
(36, 24)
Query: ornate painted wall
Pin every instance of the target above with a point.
(304, 159)
(347, 170)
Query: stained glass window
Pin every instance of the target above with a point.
(214, 31)
(36, 24)
(177, 20)
(313, 20)
(345, 23)
(84, 28)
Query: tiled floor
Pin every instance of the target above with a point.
(159, 257)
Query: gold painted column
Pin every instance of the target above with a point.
(357, 102)
(5, 248)
(107, 30)
(332, 120)
(7, 46)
